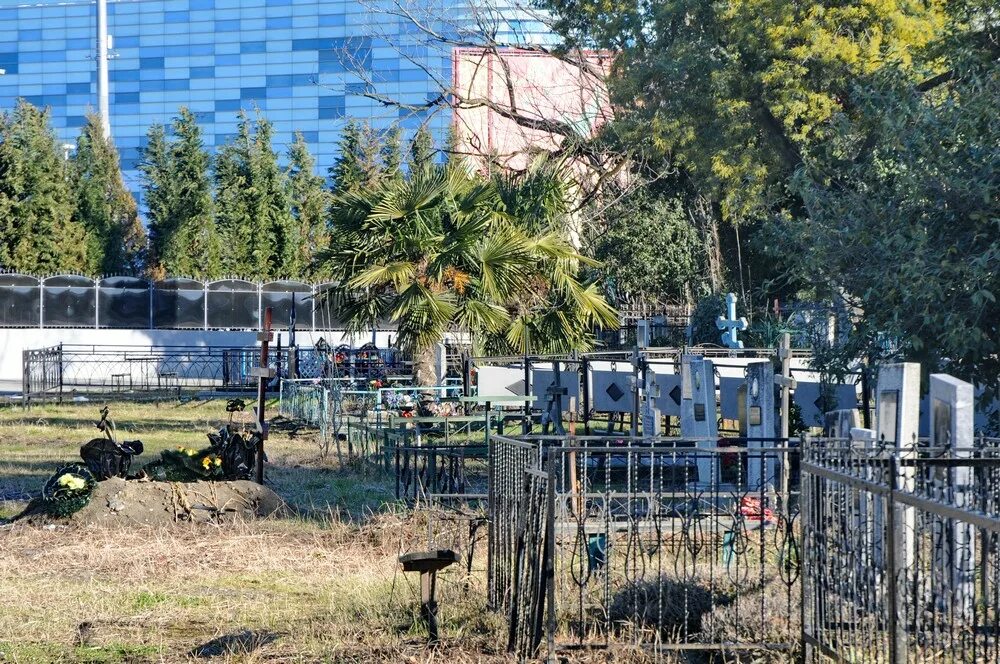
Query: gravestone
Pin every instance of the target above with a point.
(731, 324)
(611, 389)
(952, 415)
(643, 329)
(544, 377)
(838, 424)
(698, 413)
(664, 388)
(761, 469)
(816, 399)
(897, 420)
(494, 381)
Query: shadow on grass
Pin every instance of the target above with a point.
(238, 643)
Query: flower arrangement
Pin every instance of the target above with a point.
(185, 464)
(68, 490)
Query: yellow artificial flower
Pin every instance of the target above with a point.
(218, 461)
(191, 452)
(72, 482)
(206, 462)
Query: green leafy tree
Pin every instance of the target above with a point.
(910, 235)
(649, 250)
(116, 240)
(184, 239)
(309, 202)
(437, 251)
(261, 236)
(37, 231)
(737, 91)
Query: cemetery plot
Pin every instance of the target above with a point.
(643, 550)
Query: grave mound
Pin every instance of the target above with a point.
(145, 502)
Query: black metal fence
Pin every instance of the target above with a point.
(142, 371)
(128, 302)
(663, 544)
(901, 559)
(441, 474)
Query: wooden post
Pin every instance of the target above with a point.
(263, 374)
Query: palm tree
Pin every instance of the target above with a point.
(440, 251)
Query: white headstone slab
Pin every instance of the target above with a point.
(897, 403)
(699, 418)
(897, 421)
(440, 363)
(542, 377)
(807, 395)
(611, 388)
(839, 423)
(951, 426)
(664, 389)
(729, 402)
(496, 381)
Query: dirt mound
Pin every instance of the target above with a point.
(165, 503)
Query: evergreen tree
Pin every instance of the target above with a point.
(155, 167)
(392, 154)
(261, 235)
(184, 240)
(115, 237)
(233, 217)
(37, 231)
(309, 202)
(357, 165)
(421, 157)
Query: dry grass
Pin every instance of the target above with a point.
(322, 586)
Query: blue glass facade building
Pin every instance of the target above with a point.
(304, 63)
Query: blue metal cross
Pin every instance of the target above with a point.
(731, 324)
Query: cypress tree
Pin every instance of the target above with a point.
(392, 154)
(115, 237)
(184, 239)
(309, 201)
(233, 218)
(261, 235)
(421, 156)
(357, 165)
(155, 167)
(37, 231)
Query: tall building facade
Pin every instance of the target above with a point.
(308, 65)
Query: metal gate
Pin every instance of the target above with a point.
(532, 582)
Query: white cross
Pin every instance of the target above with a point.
(731, 324)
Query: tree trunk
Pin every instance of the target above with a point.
(424, 369)
(425, 375)
(705, 220)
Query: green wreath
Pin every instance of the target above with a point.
(68, 490)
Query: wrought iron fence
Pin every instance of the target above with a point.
(652, 542)
(149, 371)
(441, 474)
(901, 553)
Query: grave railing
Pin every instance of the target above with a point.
(658, 543)
(900, 552)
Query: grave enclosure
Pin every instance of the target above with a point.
(877, 542)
